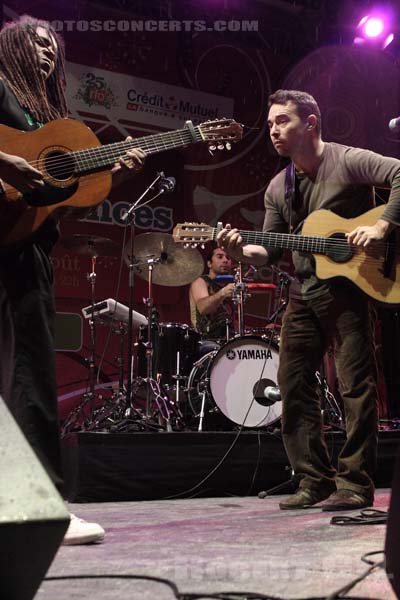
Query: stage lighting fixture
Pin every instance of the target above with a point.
(375, 29)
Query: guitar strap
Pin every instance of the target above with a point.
(290, 191)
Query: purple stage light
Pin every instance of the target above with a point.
(388, 40)
(375, 28)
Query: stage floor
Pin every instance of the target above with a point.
(207, 545)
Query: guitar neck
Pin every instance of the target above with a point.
(105, 156)
(285, 241)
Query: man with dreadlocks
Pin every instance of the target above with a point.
(32, 93)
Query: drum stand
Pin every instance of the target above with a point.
(92, 326)
(331, 411)
(201, 416)
(240, 295)
(88, 397)
(152, 385)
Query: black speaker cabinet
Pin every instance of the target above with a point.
(33, 516)
(392, 545)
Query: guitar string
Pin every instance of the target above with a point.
(152, 143)
(316, 244)
(285, 238)
(113, 151)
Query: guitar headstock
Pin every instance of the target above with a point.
(221, 133)
(193, 234)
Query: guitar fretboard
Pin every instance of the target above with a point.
(105, 156)
(288, 241)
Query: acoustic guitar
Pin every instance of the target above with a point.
(77, 168)
(375, 270)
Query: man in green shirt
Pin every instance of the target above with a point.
(320, 313)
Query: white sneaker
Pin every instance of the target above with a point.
(81, 532)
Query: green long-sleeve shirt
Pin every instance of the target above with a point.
(344, 183)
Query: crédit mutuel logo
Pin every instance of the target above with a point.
(170, 106)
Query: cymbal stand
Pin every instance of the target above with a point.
(177, 376)
(91, 277)
(240, 295)
(331, 411)
(283, 293)
(129, 219)
(151, 317)
(152, 387)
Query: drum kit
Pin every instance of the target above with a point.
(175, 380)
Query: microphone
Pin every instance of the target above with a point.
(166, 185)
(394, 124)
(272, 393)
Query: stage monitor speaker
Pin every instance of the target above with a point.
(33, 516)
(392, 544)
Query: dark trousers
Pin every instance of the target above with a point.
(341, 318)
(27, 362)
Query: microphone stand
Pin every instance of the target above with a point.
(129, 217)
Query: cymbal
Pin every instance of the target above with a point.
(93, 245)
(177, 266)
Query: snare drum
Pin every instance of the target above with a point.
(236, 377)
(168, 340)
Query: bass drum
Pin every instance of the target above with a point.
(235, 379)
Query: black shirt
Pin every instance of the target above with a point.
(14, 115)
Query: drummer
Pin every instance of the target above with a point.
(210, 296)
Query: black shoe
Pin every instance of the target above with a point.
(346, 500)
(304, 498)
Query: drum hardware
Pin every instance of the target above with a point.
(108, 312)
(134, 261)
(152, 321)
(176, 347)
(167, 264)
(93, 246)
(244, 288)
(201, 416)
(239, 297)
(330, 410)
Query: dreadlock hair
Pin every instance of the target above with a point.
(305, 103)
(19, 66)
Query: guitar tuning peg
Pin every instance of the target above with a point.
(186, 245)
(193, 245)
(221, 147)
(211, 149)
(228, 146)
(202, 246)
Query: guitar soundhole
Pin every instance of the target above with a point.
(338, 249)
(59, 165)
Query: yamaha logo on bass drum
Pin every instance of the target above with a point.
(249, 354)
